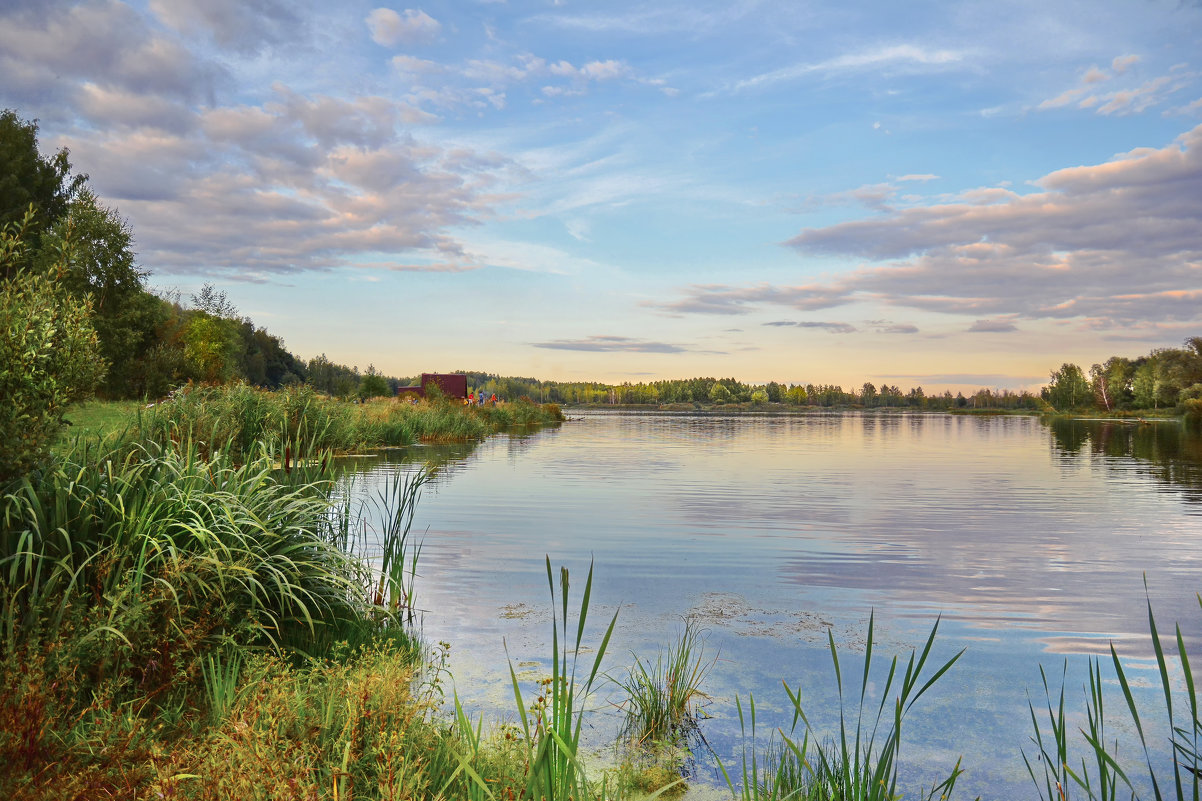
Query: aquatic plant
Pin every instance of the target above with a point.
(1107, 777)
(661, 698)
(855, 765)
(551, 727)
(237, 418)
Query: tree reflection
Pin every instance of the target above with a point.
(1165, 451)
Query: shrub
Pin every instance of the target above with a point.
(49, 357)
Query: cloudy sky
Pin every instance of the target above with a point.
(941, 194)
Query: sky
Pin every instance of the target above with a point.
(951, 195)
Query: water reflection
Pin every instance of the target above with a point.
(1165, 451)
(1027, 537)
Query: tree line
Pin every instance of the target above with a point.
(1166, 378)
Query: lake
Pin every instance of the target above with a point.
(1031, 539)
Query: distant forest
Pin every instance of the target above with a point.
(152, 342)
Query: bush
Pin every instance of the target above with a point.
(49, 357)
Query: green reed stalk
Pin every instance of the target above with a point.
(854, 767)
(552, 729)
(1107, 777)
(661, 697)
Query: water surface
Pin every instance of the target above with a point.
(1031, 541)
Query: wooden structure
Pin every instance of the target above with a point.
(452, 385)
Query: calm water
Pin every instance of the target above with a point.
(1031, 540)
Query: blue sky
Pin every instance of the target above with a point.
(952, 195)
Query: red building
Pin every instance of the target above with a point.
(452, 385)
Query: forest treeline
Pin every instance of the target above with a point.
(1167, 379)
(149, 342)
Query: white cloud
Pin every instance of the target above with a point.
(1123, 63)
(897, 56)
(412, 26)
(1110, 244)
(1120, 101)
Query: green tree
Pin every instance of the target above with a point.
(28, 179)
(102, 267)
(1145, 384)
(210, 348)
(214, 303)
(1068, 388)
(373, 384)
(759, 397)
(719, 393)
(49, 357)
(867, 393)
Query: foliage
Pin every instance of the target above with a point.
(661, 698)
(29, 180)
(374, 385)
(210, 348)
(135, 578)
(102, 268)
(236, 417)
(49, 358)
(1068, 389)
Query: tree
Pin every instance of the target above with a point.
(1145, 384)
(1068, 388)
(49, 357)
(719, 393)
(867, 393)
(210, 348)
(102, 267)
(759, 397)
(215, 303)
(373, 384)
(29, 180)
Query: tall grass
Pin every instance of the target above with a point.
(551, 727)
(661, 697)
(1103, 774)
(861, 762)
(136, 577)
(236, 418)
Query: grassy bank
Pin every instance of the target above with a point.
(237, 417)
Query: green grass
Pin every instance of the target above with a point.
(98, 418)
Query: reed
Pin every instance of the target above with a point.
(237, 419)
(1103, 775)
(862, 761)
(661, 697)
(551, 727)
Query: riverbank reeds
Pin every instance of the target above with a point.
(853, 765)
(136, 577)
(185, 621)
(237, 418)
